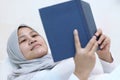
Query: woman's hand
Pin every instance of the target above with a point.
(104, 42)
(85, 57)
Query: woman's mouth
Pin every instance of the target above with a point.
(35, 46)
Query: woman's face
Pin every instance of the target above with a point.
(32, 45)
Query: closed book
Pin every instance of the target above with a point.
(60, 20)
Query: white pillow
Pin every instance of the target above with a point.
(6, 68)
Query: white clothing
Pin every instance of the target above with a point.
(64, 71)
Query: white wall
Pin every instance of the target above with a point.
(15, 12)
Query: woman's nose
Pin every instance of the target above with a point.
(31, 41)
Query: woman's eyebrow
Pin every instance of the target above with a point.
(22, 36)
(33, 32)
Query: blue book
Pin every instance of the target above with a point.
(60, 20)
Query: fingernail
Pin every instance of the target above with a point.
(101, 46)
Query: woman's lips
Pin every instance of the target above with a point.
(35, 46)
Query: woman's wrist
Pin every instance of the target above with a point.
(82, 76)
(109, 58)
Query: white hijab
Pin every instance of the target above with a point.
(26, 69)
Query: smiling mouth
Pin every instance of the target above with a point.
(36, 46)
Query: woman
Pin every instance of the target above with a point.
(29, 52)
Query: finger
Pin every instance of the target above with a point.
(91, 43)
(98, 33)
(94, 48)
(101, 39)
(106, 41)
(76, 39)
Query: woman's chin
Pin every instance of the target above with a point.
(41, 54)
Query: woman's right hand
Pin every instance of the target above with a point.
(85, 57)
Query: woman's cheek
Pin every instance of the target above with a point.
(24, 48)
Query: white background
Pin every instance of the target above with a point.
(16, 12)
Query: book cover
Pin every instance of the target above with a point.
(60, 20)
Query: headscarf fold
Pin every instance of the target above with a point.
(26, 69)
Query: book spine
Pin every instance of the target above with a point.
(84, 21)
(89, 18)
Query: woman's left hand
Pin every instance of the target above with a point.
(104, 51)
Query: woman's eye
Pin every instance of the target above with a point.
(34, 35)
(22, 40)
